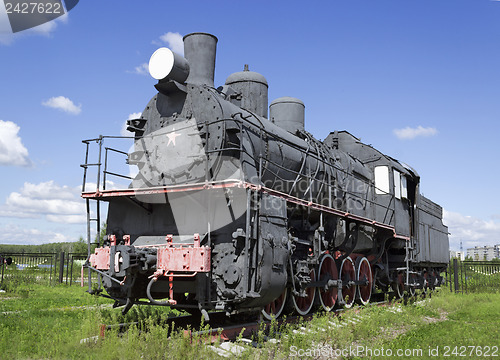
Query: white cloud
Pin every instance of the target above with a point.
(39, 191)
(46, 29)
(67, 219)
(12, 234)
(110, 185)
(470, 230)
(12, 150)
(64, 104)
(55, 203)
(174, 42)
(142, 69)
(124, 131)
(409, 133)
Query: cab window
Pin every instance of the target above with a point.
(381, 180)
(400, 185)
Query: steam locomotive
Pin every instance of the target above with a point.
(238, 210)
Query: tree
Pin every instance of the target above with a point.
(100, 239)
(80, 246)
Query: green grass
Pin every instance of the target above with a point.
(14, 278)
(43, 321)
(48, 322)
(444, 322)
(472, 320)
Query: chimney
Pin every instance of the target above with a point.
(199, 51)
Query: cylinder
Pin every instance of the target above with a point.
(288, 113)
(165, 64)
(199, 50)
(253, 89)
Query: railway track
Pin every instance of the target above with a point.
(232, 342)
(224, 330)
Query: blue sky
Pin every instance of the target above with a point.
(418, 80)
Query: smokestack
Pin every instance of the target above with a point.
(199, 51)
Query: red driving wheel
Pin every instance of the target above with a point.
(327, 270)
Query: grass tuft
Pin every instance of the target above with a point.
(49, 322)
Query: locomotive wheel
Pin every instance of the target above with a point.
(433, 281)
(347, 273)
(399, 286)
(425, 286)
(302, 305)
(275, 308)
(327, 270)
(364, 272)
(413, 280)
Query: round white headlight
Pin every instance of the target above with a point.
(161, 63)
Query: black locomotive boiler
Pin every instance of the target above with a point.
(233, 208)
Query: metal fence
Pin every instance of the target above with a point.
(474, 276)
(43, 268)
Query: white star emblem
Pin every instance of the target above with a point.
(171, 137)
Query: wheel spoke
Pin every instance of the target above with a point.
(413, 280)
(303, 305)
(364, 272)
(425, 279)
(399, 286)
(347, 273)
(327, 270)
(275, 307)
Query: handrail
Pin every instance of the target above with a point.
(318, 188)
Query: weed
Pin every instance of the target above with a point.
(39, 321)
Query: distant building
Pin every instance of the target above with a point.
(457, 254)
(484, 253)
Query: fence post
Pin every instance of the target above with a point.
(450, 271)
(455, 270)
(71, 271)
(67, 267)
(61, 268)
(464, 272)
(52, 258)
(3, 267)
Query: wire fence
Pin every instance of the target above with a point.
(52, 268)
(474, 276)
(44, 268)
